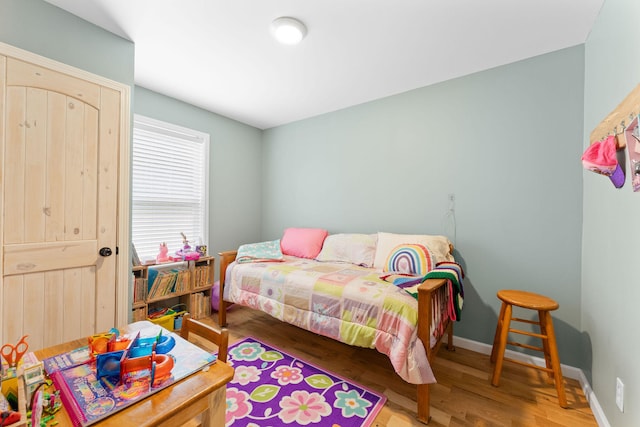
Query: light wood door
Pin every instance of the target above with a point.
(60, 144)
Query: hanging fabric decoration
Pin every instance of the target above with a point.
(600, 157)
(633, 146)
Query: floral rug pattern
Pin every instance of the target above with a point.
(272, 388)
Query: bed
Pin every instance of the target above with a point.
(354, 302)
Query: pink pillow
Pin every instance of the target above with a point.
(303, 242)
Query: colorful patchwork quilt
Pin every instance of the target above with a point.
(342, 301)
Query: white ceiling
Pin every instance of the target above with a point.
(219, 54)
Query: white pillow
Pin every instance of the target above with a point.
(438, 245)
(358, 249)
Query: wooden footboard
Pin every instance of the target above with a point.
(429, 292)
(226, 258)
(431, 295)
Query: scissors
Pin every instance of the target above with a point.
(13, 353)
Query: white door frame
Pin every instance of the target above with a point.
(123, 259)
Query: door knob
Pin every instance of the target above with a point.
(105, 251)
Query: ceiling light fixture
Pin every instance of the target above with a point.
(288, 30)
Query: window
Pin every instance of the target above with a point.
(170, 176)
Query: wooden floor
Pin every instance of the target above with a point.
(463, 395)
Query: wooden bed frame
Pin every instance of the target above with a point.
(426, 293)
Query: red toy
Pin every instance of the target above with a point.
(9, 417)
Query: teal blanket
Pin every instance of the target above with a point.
(260, 252)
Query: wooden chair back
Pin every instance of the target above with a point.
(218, 336)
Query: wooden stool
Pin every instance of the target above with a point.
(544, 306)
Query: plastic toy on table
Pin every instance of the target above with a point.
(140, 354)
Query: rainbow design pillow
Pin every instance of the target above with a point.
(411, 259)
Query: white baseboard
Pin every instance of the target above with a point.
(567, 371)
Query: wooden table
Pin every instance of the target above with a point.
(204, 393)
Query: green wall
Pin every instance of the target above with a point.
(610, 268)
(505, 142)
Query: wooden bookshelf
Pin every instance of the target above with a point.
(196, 278)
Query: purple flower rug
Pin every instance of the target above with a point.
(271, 388)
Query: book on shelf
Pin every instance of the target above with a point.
(200, 305)
(183, 280)
(201, 276)
(161, 283)
(166, 281)
(139, 289)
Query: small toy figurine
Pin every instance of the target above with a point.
(185, 243)
(186, 252)
(163, 255)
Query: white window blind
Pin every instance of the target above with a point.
(170, 175)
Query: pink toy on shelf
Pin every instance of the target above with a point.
(163, 255)
(186, 253)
